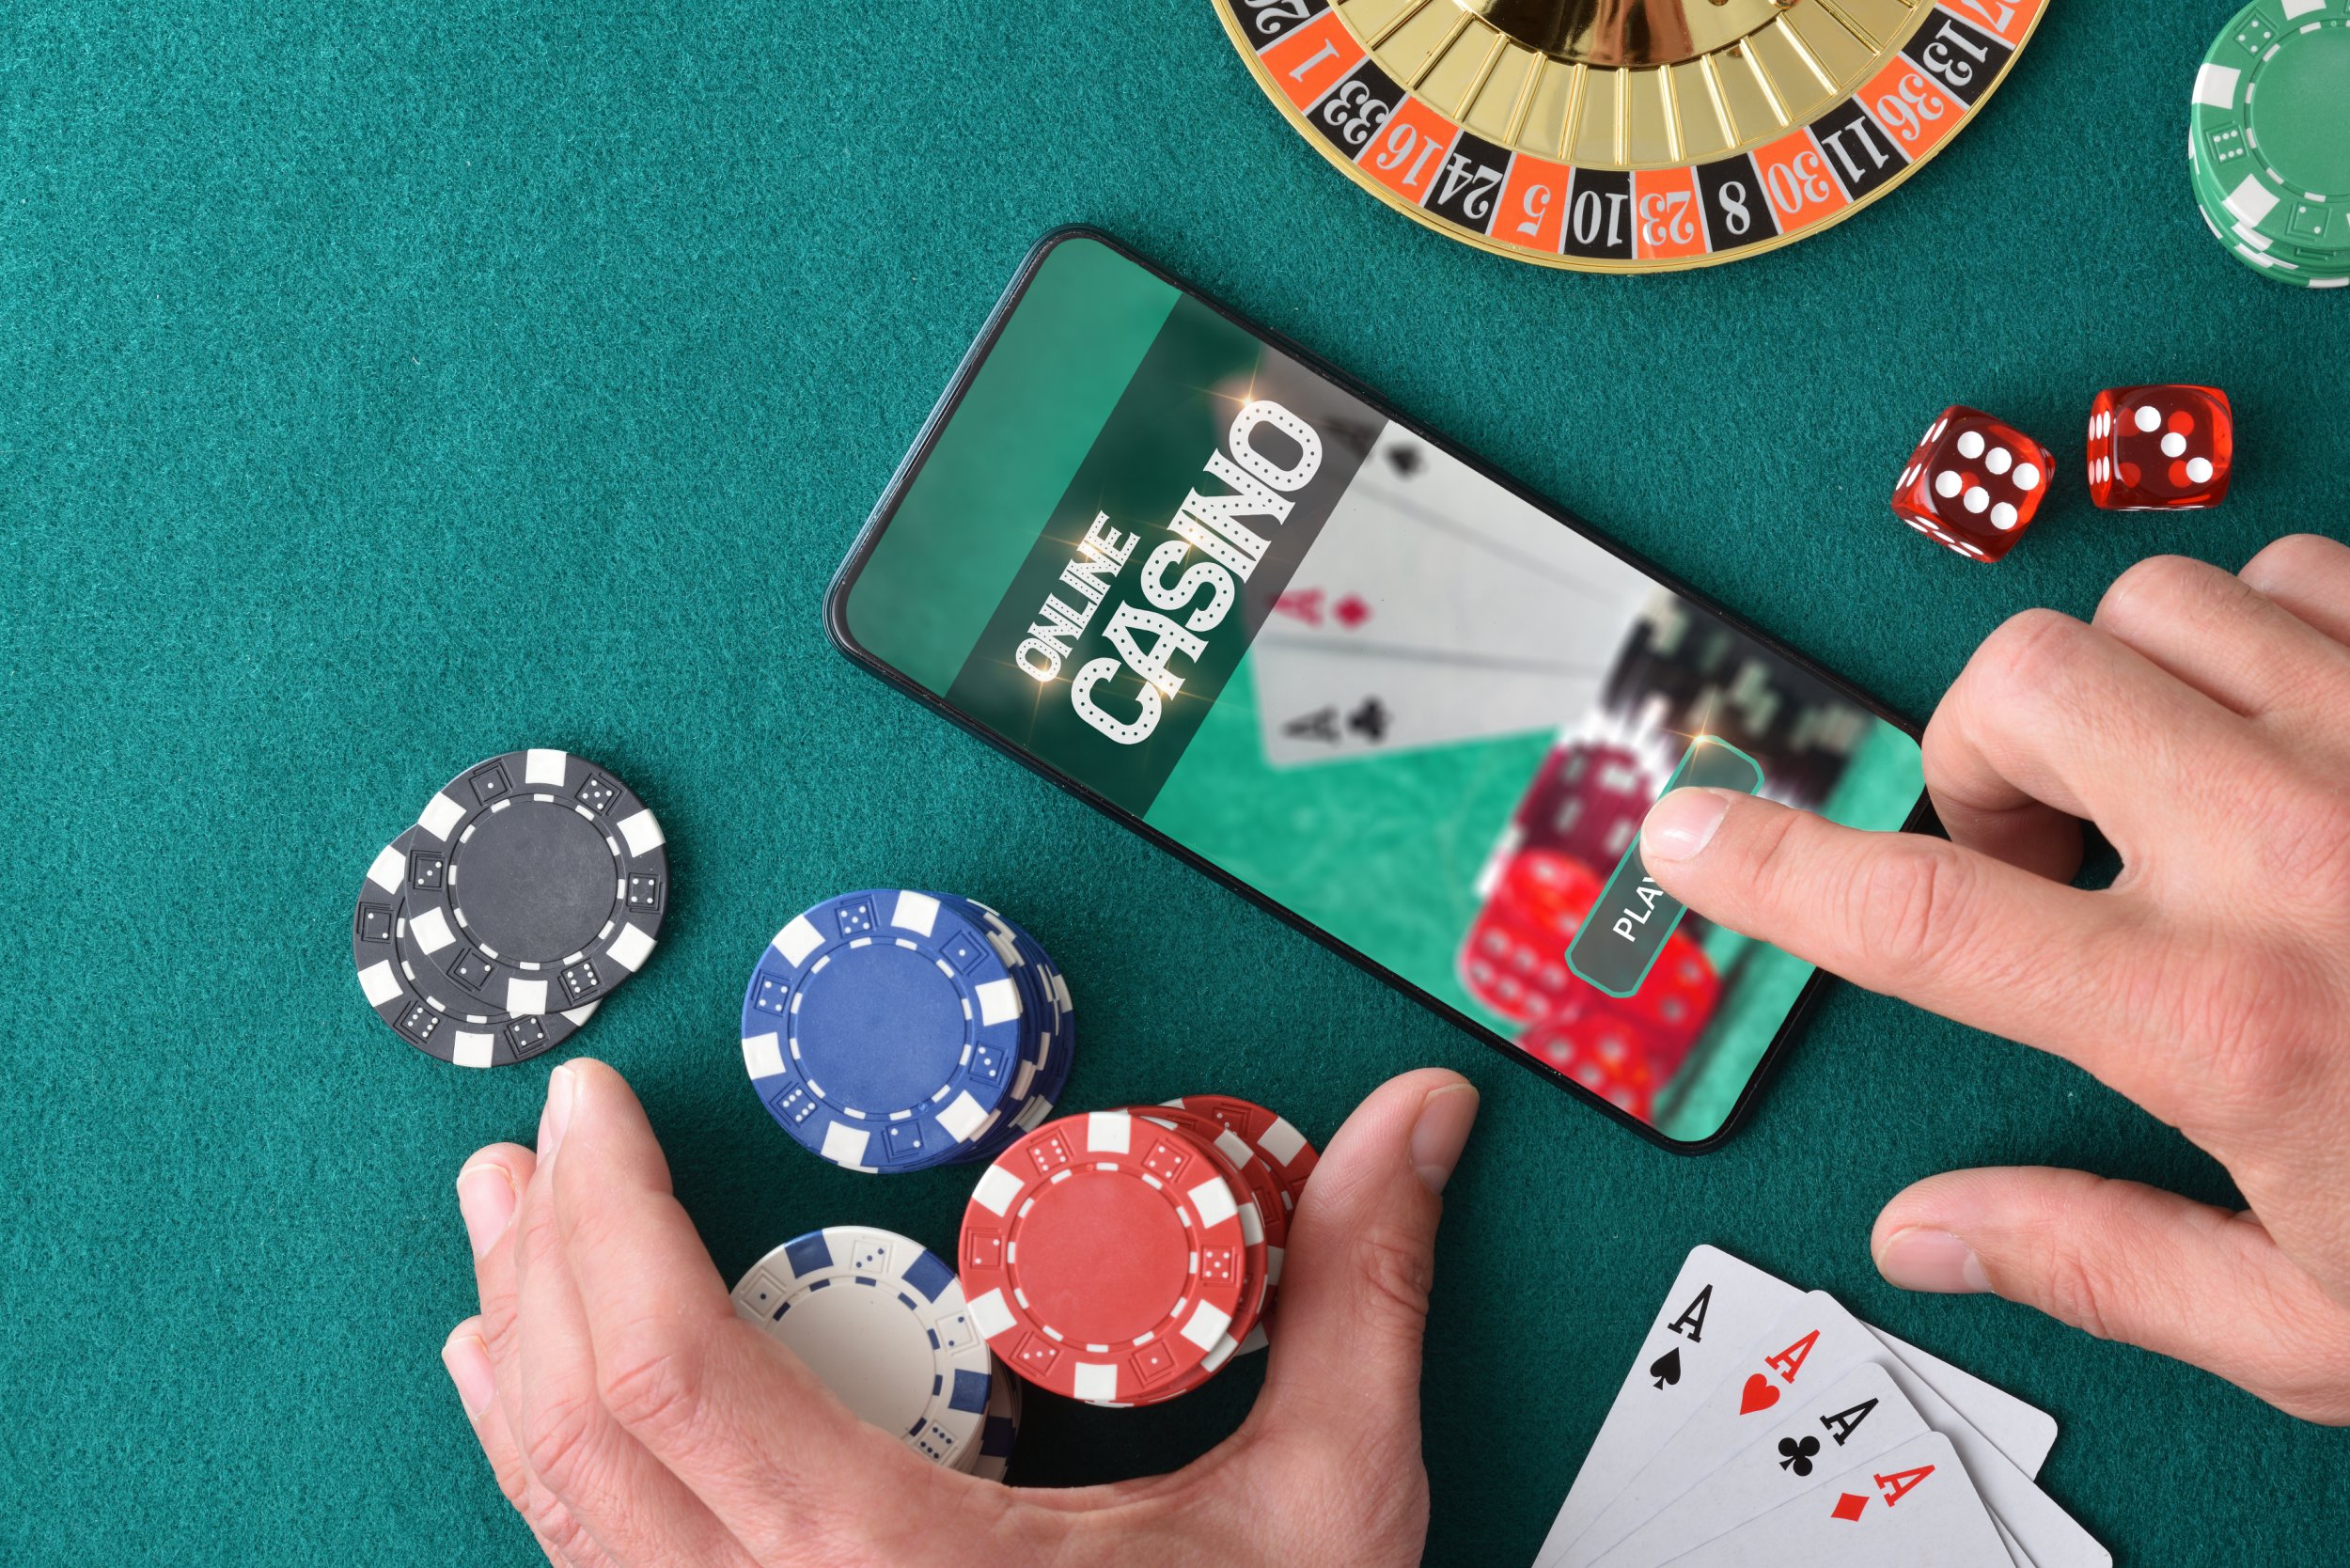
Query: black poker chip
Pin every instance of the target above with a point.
(412, 995)
(535, 883)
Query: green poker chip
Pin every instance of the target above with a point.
(2271, 131)
(2277, 258)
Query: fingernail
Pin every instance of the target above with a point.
(1918, 1259)
(562, 1086)
(469, 1362)
(1442, 1132)
(1681, 825)
(485, 1195)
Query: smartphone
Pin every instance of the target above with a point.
(1214, 587)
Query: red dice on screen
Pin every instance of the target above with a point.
(2160, 448)
(1973, 484)
(1674, 1004)
(1514, 961)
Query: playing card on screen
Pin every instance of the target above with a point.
(1910, 1507)
(1423, 554)
(1321, 704)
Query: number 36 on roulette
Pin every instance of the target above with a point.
(1628, 135)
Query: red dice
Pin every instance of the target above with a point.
(1973, 484)
(1677, 998)
(2160, 448)
(1514, 961)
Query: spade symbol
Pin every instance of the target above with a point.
(1799, 1455)
(1666, 1367)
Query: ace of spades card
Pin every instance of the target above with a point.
(1435, 607)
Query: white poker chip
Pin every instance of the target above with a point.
(881, 1320)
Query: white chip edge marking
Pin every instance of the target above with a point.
(642, 832)
(996, 1192)
(2214, 87)
(963, 1118)
(989, 1316)
(2251, 201)
(762, 1055)
(527, 998)
(631, 948)
(545, 768)
(430, 928)
(440, 817)
(797, 940)
(1096, 1380)
(999, 1002)
(381, 982)
(1207, 1325)
(1109, 1133)
(845, 1145)
(2298, 8)
(914, 912)
(468, 1049)
(1282, 1141)
(388, 869)
(1213, 1200)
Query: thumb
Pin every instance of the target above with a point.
(1361, 1258)
(2129, 1262)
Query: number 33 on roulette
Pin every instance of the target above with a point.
(1628, 135)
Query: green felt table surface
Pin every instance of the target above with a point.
(385, 387)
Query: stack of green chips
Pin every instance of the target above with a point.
(2269, 146)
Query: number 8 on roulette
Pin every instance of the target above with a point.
(1628, 135)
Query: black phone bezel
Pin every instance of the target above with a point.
(844, 580)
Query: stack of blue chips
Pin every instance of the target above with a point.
(896, 1031)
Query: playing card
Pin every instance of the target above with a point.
(1860, 1416)
(1423, 553)
(1810, 1346)
(1317, 703)
(1715, 1307)
(1912, 1506)
(1637, 1426)
(2024, 1433)
(1820, 1334)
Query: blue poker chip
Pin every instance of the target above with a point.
(1051, 1036)
(883, 1031)
(991, 1459)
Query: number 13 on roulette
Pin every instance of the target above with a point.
(1628, 135)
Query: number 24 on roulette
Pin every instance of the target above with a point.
(1628, 135)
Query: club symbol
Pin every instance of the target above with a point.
(1799, 1455)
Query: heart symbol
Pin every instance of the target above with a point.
(1757, 1395)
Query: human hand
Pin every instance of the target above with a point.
(2202, 722)
(632, 1418)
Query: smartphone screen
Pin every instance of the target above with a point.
(1188, 572)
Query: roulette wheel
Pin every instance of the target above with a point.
(1628, 135)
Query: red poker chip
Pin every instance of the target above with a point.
(1253, 1183)
(1102, 1256)
(1285, 1151)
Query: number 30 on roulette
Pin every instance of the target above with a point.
(1628, 135)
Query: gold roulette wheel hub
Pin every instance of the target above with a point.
(1628, 135)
